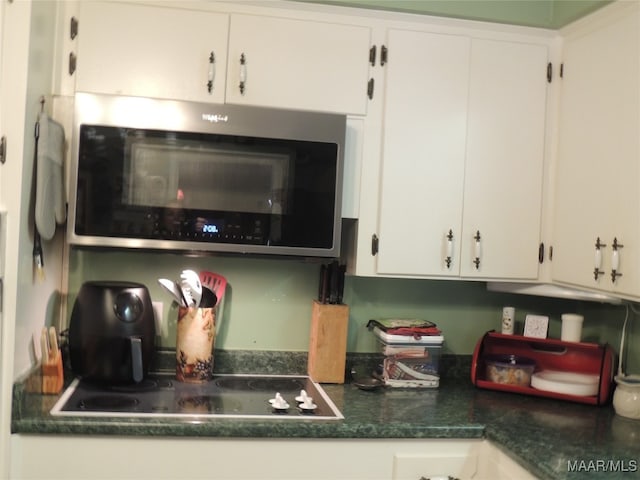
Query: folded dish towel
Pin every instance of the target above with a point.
(410, 327)
(50, 193)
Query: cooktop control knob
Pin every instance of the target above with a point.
(278, 403)
(305, 402)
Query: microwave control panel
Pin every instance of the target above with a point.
(200, 229)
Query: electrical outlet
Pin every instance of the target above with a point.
(158, 313)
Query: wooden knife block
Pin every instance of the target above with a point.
(52, 373)
(328, 343)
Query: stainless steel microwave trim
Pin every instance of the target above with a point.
(181, 116)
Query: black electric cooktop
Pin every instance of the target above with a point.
(229, 396)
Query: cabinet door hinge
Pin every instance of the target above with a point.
(549, 72)
(374, 245)
(73, 28)
(3, 149)
(384, 53)
(370, 88)
(372, 55)
(72, 63)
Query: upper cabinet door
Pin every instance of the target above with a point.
(597, 195)
(276, 62)
(504, 159)
(425, 115)
(151, 51)
(463, 157)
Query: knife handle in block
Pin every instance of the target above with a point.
(52, 373)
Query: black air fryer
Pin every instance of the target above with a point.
(112, 332)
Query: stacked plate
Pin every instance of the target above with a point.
(569, 383)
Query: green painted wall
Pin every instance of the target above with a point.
(534, 13)
(268, 304)
(566, 11)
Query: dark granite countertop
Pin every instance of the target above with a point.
(545, 436)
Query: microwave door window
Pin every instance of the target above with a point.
(235, 181)
(153, 180)
(103, 187)
(240, 184)
(207, 188)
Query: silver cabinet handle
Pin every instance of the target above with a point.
(598, 259)
(449, 258)
(211, 74)
(476, 260)
(615, 259)
(243, 73)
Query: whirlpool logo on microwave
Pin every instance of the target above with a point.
(215, 118)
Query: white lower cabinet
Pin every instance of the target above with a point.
(597, 206)
(479, 460)
(494, 464)
(78, 457)
(462, 156)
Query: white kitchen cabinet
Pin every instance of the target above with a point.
(217, 57)
(301, 459)
(422, 175)
(150, 51)
(493, 463)
(462, 156)
(505, 160)
(299, 64)
(483, 460)
(423, 151)
(598, 166)
(79, 457)
(353, 153)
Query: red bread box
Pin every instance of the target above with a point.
(549, 354)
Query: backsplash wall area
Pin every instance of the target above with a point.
(268, 302)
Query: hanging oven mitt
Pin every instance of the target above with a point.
(50, 198)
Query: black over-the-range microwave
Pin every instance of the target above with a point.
(163, 174)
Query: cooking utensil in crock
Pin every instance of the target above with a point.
(191, 285)
(209, 299)
(171, 287)
(215, 282)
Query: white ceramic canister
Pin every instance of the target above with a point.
(571, 327)
(626, 397)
